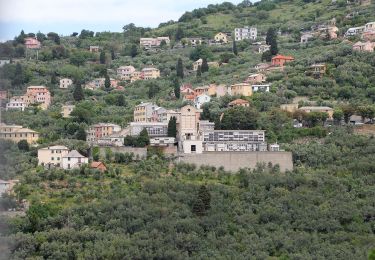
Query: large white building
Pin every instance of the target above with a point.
(154, 129)
(247, 32)
(234, 141)
(52, 155)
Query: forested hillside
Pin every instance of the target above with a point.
(158, 209)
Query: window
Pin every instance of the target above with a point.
(193, 148)
(52, 158)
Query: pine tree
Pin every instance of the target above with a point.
(172, 127)
(78, 92)
(54, 78)
(204, 67)
(199, 72)
(102, 57)
(81, 134)
(266, 56)
(19, 75)
(180, 69)
(134, 51)
(121, 100)
(107, 82)
(179, 33)
(235, 51)
(23, 145)
(143, 138)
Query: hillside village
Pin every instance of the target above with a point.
(228, 88)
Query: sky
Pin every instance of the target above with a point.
(67, 16)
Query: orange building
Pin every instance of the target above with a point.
(280, 60)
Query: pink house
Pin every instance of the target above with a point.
(364, 46)
(41, 95)
(32, 43)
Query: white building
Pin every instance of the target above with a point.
(305, 37)
(234, 141)
(154, 129)
(65, 83)
(73, 160)
(3, 62)
(201, 99)
(4, 187)
(52, 155)
(162, 141)
(16, 104)
(263, 48)
(245, 33)
(261, 88)
(354, 31)
(66, 110)
(369, 27)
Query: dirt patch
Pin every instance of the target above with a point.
(365, 130)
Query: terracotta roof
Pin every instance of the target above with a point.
(96, 164)
(279, 56)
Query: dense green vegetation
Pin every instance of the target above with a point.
(323, 209)
(149, 210)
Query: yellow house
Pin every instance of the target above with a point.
(221, 37)
(150, 73)
(66, 110)
(241, 89)
(16, 133)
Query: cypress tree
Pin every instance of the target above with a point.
(78, 92)
(199, 72)
(172, 127)
(198, 207)
(271, 39)
(107, 82)
(235, 51)
(202, 202)
(180, 69)
(204, 67)
(113, 56)
(176, 88)
(102, 57)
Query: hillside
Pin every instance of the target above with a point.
(157, 208)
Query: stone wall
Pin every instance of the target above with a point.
(141, 152)
(233, 161)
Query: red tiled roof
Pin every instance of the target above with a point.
(279, 56)
(96, 164)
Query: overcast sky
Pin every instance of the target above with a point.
(67, 16)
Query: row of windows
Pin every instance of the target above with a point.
(16, 135)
